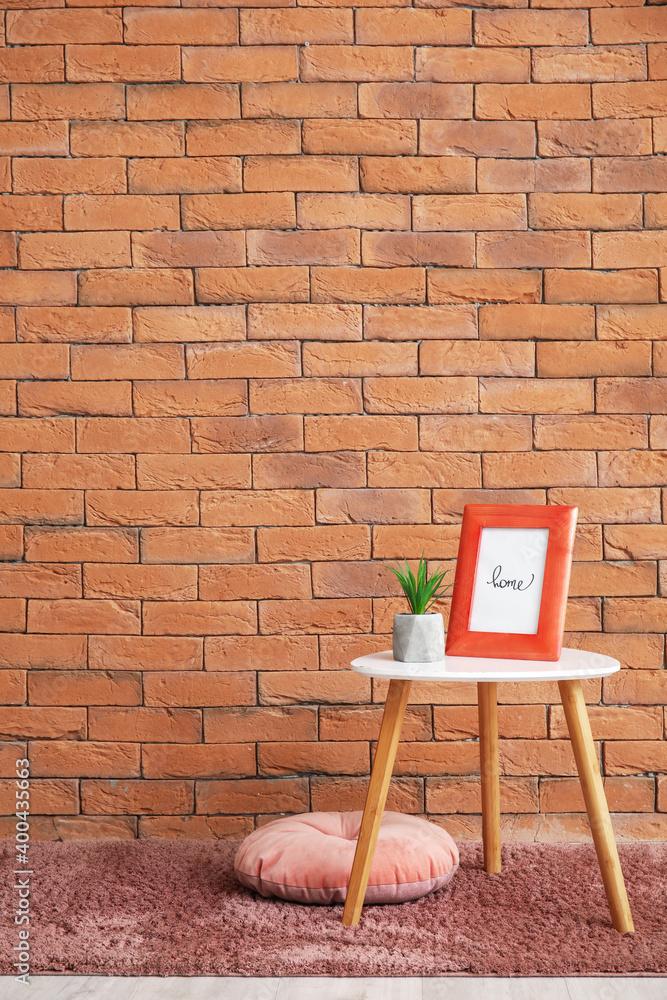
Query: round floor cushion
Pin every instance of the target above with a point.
(308, 858)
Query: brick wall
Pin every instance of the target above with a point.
(283, 289)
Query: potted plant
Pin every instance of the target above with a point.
(419, 637)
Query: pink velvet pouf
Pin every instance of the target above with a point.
(308, 858)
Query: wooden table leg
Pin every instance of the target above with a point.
(392, 721)
(588, 767)
(487, 707)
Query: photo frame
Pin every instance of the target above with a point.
(511, 582)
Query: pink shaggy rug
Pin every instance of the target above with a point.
(173, 908)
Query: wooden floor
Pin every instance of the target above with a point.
(445, 988)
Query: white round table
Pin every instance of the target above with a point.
(573, 666)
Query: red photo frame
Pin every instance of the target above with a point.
(541, 640)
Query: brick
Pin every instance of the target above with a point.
(645, 249)
(187, 249)
(358, 63)
(38, 652)
(563, 174)
(621, 323)
(239, 211)
(100, 796)
(302, 173)
(596, 578)
(10, 470)
(414, 27)
(37, 101)
(461, 357)
(629, 100)
(642, 470)
(7, 397)
(524, 101)
(370, 138)
(360, 433)
(622, 794)
(147, 652)
(45, 398)
(59, 250)
(266, 652)
(330, 793)
(353, 579)
(271, 795)
(611, 504)
(303, 471)
(359, 359)
(584, 211)
(472, 65)
(629, 173)
(612, 723)
(111, 211)
(635, 614)
(642, 541)
(8, 254)
(199, 545)
(297, 26)
(41, 507)
(374, 506)
(534, 27)
(180, 27)
(28, 212)
(27, 361)
(656, 210)
(123, 62)
(363, 722)
(13, 614)
(199, 688)
(263, 360)
(81, 544)
(200, 617)
(39, 64)
(330, 687)
(237, 725)
(192, 471)
(583, 65)
(462, 212)
(537, 395)
(638, 285)
(415, 100)
(82, 324)
(254, 582)
(408, 541)
(247, 63)
(47, 138)
(331, 247)
(631, 395)
(402, 469)
(144, 507)
(175, 175)
(163, 761)
(634, 756)
(280, 507)
(52, 175)
(82, 616)
(417, 174)
(11, 542)
(13, 687)
(344, 284)
(246, 138)
(319, 758)
(323, 395)
(240, 434)
(78, 471)
(181, 100)
(656, 62)
(594, 138)
(539, 322)
(268, 321)
(154, 582)
(547, 469)
(423, 395)
(38, 288)
(106, 435)
(320, 543)
(534, 249)
(559, 360)
(477, 138)
(657, 431)
(84, 687)
(46, 797)
(299, 100)
(127, 138)
(478, 432)
(189, 323)
(198, 398)
(642, 25)
(514, 721)
(462, 795)
(71, 759)
(609, 431)
(363, 211)
(489, 285)
(37, 27)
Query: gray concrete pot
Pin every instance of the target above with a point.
(419, 638)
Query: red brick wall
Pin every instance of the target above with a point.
(283, 289)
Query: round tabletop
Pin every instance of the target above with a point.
(574, 664)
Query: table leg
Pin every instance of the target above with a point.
(487, 707)
(392, 721)
(588, 767)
